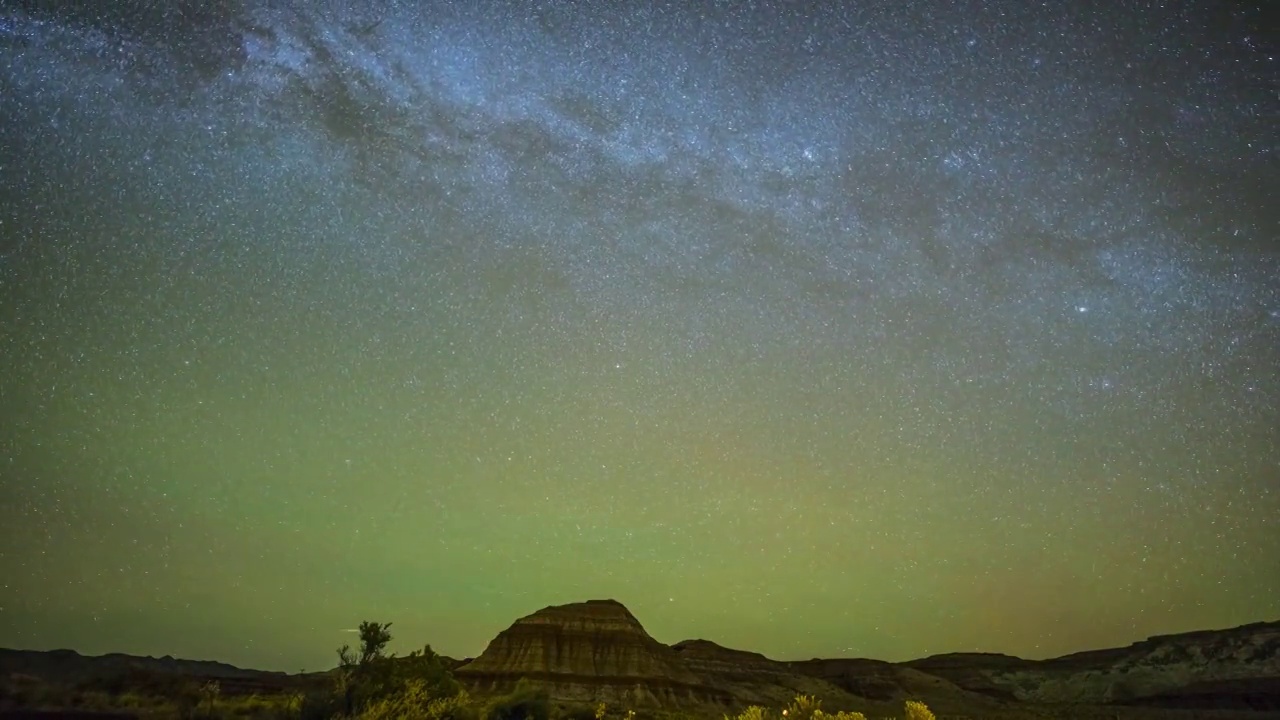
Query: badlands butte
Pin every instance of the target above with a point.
(597, 651)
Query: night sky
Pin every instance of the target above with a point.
(882, 331)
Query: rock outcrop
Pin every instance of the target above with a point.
(597, 651)
(1228, 669)
(586, 652)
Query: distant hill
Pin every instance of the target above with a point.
(1237, 668)
(70, 668)
(597, 650)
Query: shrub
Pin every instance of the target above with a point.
(320, 705)
(209, 694)
(525, 702)
(255, 706)
(842, 715)
(414, 702)
(804, 707)
(753, 712)
(426, 666)
(368, 676)
(288, 707)
(918, 711)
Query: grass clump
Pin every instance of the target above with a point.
(807, 707)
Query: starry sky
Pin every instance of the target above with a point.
(871, 329)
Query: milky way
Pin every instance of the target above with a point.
(880, 331)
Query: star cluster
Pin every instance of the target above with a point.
(874, 329)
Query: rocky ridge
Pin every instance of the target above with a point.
(1237, 668)
(597, 650)
(67, 667)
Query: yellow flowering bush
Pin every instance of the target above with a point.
(918, 711)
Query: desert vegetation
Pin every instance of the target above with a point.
(807, 707)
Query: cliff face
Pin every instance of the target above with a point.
(583, 652)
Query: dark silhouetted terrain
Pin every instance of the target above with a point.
(582, 654)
